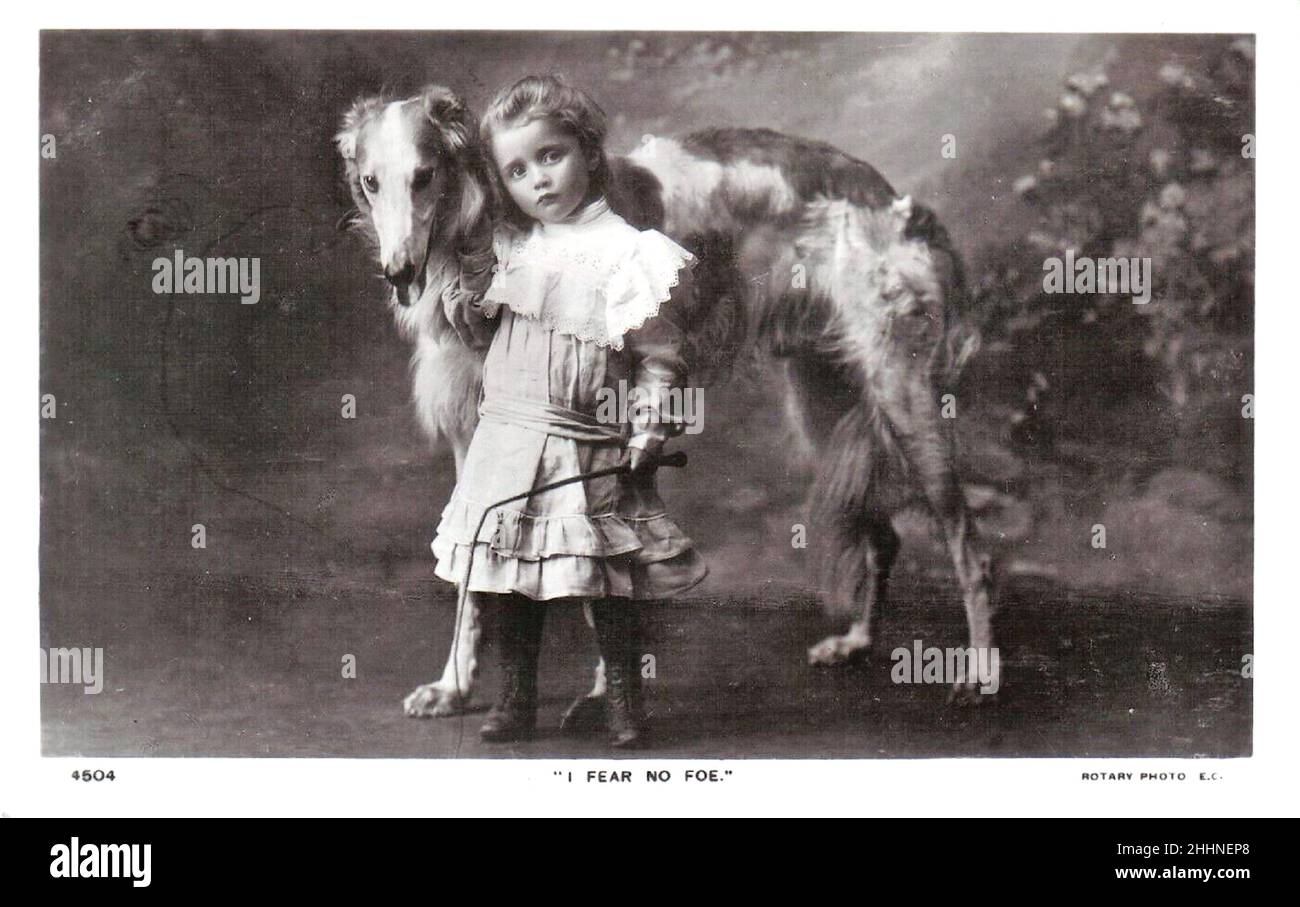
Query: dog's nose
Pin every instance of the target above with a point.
(400, 277)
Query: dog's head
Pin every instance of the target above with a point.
(415, 174)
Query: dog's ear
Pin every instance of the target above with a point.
(360, 111)
(448, 114)
(442, 104)
(346, 142)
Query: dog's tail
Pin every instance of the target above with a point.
(864, 479)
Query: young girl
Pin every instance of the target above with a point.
(585, 302)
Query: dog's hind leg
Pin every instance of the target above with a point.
(851, 530)
(868, 546)
(902, 381)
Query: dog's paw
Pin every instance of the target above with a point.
(969, 694)
(434, 700)
(838, 649)
(586, 715)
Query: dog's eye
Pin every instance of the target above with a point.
(371, 183)
(421, 178)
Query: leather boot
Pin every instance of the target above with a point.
(622, 674)
(514, 716)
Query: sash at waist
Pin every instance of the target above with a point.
(549, 418)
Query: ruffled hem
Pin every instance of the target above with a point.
(518, 535)
(569, 576)
(660, 537)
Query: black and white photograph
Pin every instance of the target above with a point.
(896, 392)
(695, 398)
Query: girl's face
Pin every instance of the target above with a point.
(543, 168)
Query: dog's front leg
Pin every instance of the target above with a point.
(586, 714)
(446, 374)
(451, 693)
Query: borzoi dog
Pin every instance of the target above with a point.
(806, 254)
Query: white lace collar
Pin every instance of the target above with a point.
(592, 275)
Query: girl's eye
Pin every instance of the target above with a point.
(371, 183)
(421, 179)
(552, 157)
(515, 172)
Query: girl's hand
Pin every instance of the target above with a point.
(460, 308)
(640, 462)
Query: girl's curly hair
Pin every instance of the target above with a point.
(538, 97)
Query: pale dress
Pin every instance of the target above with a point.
(600, 309)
